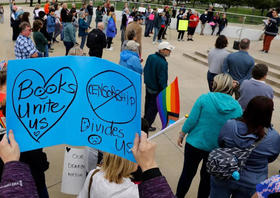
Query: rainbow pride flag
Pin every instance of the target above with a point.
(168, 104)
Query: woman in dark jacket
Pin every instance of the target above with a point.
(124, 23)
(83, 27)
(99, 16)
(181, 33)
(254, 125)
(223, 22)
(271, 30)
(214, 22)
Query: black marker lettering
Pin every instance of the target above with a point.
(25, 88)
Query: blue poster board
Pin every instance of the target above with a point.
(80, 101)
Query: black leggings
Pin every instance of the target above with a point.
(181, 35)
(193, 156)
(160, 34)
(109, 41)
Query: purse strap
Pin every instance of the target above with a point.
(256, 143)
(90, 181)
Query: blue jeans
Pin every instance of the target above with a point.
(210, 79)
(228, 188)
(89, 19)
(148, 27)
(83, 41)
(46, 54)
(156, 30)
(62, 31)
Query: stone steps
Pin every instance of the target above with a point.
(273, 78)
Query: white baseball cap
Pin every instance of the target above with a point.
(165, 45)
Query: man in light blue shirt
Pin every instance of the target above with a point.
(239, 64)
(256, 86)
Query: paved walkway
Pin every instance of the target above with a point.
(192, 82)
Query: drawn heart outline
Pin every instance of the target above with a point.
(44, 83)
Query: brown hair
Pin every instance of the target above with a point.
(259, 71)
(37, 24)
(116, 168)
(257, 115)
(221, 42)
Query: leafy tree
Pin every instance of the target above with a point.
(261, 4)
(229, 3)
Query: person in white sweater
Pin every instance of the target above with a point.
(112, 180)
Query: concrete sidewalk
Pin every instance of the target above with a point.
(192, 82)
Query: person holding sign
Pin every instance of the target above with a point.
(181, 21)
(16, 179)
(153, 183)
(193, 22)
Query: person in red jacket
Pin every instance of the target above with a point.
(47, 7)
(193, 22)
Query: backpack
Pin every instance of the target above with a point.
(225, 163)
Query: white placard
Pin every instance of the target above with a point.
(74, 170)
(142, 9)
(37, 12)
(160, 10)
(91, 159)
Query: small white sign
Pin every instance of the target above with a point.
(160, 10)
(142, 9)
(74, 170)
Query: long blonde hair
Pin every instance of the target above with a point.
(116, 168)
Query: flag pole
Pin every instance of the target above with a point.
(167, 128)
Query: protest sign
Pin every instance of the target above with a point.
(142, 9)
(74, 170)
(80, 101)
(160, 10)
(183, 25)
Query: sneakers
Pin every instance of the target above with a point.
(154, 42)
(152, 129)
(109, 49)
(178, 39)
(182, 40)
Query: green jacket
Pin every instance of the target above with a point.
(40, 41)
(69, 33)
(156, 72)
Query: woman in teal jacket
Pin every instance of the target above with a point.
(208, 115)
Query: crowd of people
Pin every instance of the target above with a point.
(216, 119)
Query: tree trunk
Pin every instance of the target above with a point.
(193, 3)
(262, 11)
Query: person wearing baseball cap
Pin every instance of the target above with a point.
(155, 79)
